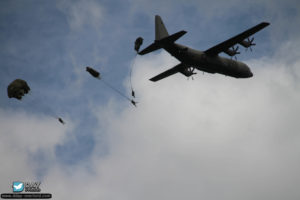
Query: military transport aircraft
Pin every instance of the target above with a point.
(207, 61)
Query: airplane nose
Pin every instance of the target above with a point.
(250, 74)
(246, 71)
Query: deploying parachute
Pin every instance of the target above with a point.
(138, 43)
(93, 72)
(17, 89)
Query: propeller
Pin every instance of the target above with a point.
(235, 50)
(232, 51)
(189, 72)
(248, 43)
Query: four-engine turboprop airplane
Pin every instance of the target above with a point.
(207, 61)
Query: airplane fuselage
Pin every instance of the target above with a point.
(208, 60)
(211, 64)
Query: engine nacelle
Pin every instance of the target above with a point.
(232, 51)
(247, 43)
(189, 71)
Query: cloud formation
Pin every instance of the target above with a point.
(212, 138)
(23, 138)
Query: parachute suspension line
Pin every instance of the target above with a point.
(96, 74)
(131, 68)
(137, 44)
(116, 90)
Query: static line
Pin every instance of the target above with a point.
(116, 90)
(131, 68)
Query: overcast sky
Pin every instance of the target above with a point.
(212, 138)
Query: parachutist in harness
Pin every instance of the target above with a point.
(133, 102)
(61, 121)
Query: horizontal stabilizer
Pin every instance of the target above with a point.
(150, 48)
(172, 38)
(159, 43)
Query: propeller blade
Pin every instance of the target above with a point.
(236, 50)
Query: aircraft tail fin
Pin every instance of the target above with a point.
(160, 29)
(162, 37)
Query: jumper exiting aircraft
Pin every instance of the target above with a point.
(207, 61)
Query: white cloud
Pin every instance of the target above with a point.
(23, 135)
(215, 137)
(212, 138)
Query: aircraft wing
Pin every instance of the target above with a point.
(223, 46)
(169, 72)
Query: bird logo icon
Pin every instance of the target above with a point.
(18, 186)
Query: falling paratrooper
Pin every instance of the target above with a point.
(96, 74)
(61, 121)
(17, 89)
